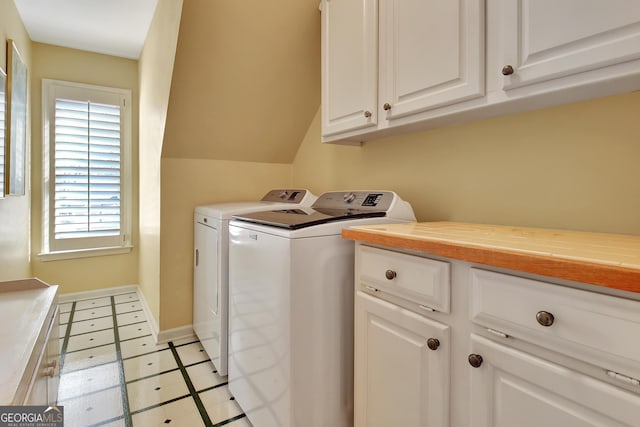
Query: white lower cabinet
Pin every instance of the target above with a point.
(401, 367)
(513, 388)
(508, 351)
(30, 351)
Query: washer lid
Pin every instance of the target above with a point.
(294, 219)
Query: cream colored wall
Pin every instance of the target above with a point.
(187, 183)
(59, 63)
(570, 167)
(155, 73)
(14, 211)
(246, 80)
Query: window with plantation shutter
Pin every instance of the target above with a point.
(86, 147)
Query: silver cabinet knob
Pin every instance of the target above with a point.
(433, 343)
(545, 318)
(390, 274)
(367, 114)
(475, 360)
(386, 106)
(507, 70)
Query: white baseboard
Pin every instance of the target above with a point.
(163, 337)
(148, 314)
(98, 293)
(175, 334)
(160, 337)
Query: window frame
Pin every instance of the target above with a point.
(86, 246)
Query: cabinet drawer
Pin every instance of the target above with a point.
(421, 280)
(592, 327)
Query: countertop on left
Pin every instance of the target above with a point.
(25, 308)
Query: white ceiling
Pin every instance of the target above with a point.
(111, 27)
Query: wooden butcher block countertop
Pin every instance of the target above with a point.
(610, 260)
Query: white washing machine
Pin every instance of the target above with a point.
(211, 266)
(291, 301)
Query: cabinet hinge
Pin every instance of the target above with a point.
(625, 379)
(371, 288)
(497, 333)
(425, 308)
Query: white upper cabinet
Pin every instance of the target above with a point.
(349, 65)
(397, 66)
(431, 54)
(549, 39)
(388, 59)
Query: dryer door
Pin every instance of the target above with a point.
(206, 290)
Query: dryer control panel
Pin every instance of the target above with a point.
(285, 195)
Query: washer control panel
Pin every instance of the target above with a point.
(361, 200)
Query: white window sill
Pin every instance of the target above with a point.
(84, 253)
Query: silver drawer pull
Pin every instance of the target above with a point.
(390, 274)
(545, 318)
(625, 379)
(497, 333)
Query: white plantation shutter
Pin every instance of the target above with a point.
(87, 169)
(87, 146)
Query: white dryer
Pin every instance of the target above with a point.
(211, 266)
(291, 300)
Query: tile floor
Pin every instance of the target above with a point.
(113, 374)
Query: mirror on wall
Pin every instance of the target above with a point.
(15, 122)
(3, 126)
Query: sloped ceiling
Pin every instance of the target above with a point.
(116, 27)
(246, 80)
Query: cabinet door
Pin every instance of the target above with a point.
(206, 318)
(431, 54)
(349, 65)
(513, 388)
(53, 359)
(43, 389)
(399, 380)
(546, 39)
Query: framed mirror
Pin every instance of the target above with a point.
(3, 126)
(16, 120)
